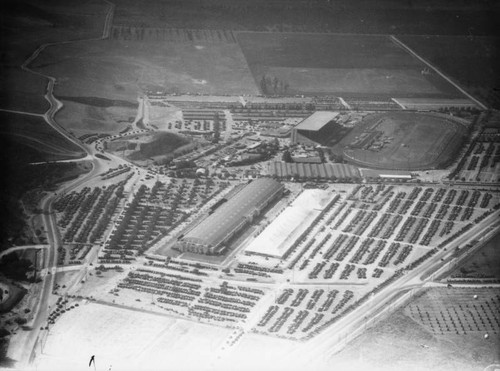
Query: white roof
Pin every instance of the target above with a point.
(317, 120)
(278, 237)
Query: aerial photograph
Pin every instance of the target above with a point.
(245, 185)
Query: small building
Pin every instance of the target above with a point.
(387, 175)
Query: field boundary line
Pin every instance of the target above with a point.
(412, 52)
(22, 112)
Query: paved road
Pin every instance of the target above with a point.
(24, 247)
(335, 337)
(412, 52)
(22, 112)
(29, 343)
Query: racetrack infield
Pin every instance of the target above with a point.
(413, 141)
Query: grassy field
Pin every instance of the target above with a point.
(35, 133)
(23, 91)
(338, 64)
(484, 263)
(413, 141)
(341, 16)
(120, 70)
(24, 28)
(470, 60)
(81, 118)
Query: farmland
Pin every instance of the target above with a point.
(382, 17)
(400, 342)
(404, 141)
(120, 69)
(470, 60)
(346, 65)
(458, 311)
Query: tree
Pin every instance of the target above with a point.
(216, 137)
(275, 84)
(287, 157)
(321, 154)
(263, 85)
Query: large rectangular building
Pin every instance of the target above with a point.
(279, 236)
(321, 128)
(214, 231)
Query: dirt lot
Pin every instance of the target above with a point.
(127, 340)
(341, 64)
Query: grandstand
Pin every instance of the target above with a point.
(320, 128)
(305, 171)
(213, 232)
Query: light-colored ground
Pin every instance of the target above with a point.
(122, 339)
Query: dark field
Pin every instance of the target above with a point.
(33, 132)
(27, 25)
(341, 16)
(347, 65)
(485, 263)
(414, 141)
(473, 62)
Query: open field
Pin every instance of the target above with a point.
(22, 91)
(342, 16)
(80, 119)
(472, 61)
(404, 140)
(127, 340)
(347, 65)
(121, 69)
(458, 311)
(485, 263)
(26, 26)
(401, 343)
(35, 133)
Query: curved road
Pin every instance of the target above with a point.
(29, 343)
